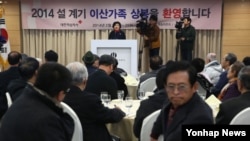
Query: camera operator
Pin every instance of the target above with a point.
(187, 38)
(151, 36)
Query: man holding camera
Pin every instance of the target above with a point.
(151, 36)
(187, 39)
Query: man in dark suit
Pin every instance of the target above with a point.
(119, 79)
(28, 71)
(228, 109)
(7, 76)
(185, 106)
(100, 81)
(227, 61)
(51, 56)
(89, 108)
(37, 114)
(155, 63)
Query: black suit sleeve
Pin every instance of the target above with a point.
(104, 114)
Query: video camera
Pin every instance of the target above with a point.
(178, 25)
(142, 23)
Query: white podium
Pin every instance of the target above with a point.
(125, 51)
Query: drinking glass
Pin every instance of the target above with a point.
(107, 100)
(141, 94)
(104, 96)
(120, 95)
(128, 103)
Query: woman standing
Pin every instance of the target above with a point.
(117, 33)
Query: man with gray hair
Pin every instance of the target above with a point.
(227, 61)
(88, 106)
(228, 109)
(213, 68)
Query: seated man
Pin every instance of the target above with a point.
(231, 107)
(152, 104)
(51, 56)
(37, 114)
(184, 107)
(119, 79)
(28, 71)
(88, 106)
(100, 81)
(91, 61)
(12, 73)
(212, 68)
(155, 64)
(227, 61)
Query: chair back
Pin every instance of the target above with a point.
(147, 126)
(78, 133)
(148, 85)
(9, 100)
(242, 118)
(204, 86)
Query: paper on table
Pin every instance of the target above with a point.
(214, 103)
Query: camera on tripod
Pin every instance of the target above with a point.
(178, 26)
(142, 24)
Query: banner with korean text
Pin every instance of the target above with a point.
(99, 14)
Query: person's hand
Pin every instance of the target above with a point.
(145, 37)
(117, 107)
(182, 38)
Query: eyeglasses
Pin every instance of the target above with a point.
(180, 88)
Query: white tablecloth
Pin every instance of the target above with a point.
(124, 128)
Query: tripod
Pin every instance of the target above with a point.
(177, 50)
(141, 44)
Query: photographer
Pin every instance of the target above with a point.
(151, 36)
(187, 38)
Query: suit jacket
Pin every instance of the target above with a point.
(148, 106)
(92, 114)
(189, 34)
(16, 87)
(117, 35)
(229, 108)
(5, 78)
(99, 81)
(195, 111)
(220, 84)
(120, 82)
(34, 117)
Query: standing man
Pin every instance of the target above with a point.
(187, 40)
(152, 36)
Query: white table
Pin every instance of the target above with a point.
(124, 128)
